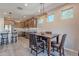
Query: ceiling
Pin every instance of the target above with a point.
(20, 11)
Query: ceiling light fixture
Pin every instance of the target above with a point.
(42, 8)
(26, 4)
(19, 8)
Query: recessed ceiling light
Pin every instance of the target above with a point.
(39, 10)
(24, 16)
(26, 4)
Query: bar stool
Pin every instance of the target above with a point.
(0, 38)
(14, 37)
(4, 38)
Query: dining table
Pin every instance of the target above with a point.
(48, 37)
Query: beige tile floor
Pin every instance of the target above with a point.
(21, 48)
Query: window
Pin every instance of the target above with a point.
(67, 14)
(6, 27)
(40, 21)
(1, 27)
(51, 18)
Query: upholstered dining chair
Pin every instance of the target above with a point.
(60, 46)
(56, 40)
(36, 45)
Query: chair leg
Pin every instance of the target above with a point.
(2, 41)
(6, 42)
(36, 53)
(53, 49)
(78, 53)
(46, 45)
(15, 40)
(36, 50)
(12, 41)
(31, 50)
(57, 49)
(63, 52)
(60, 52)
(43, 48)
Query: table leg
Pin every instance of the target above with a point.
(49, 46)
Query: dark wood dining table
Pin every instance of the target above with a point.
(49, 37)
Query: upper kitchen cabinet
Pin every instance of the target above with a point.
(9, 21)
(31, 23)
(19, 24)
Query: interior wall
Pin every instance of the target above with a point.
(69, 27)
(1, 24)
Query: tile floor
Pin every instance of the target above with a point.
(21, 48)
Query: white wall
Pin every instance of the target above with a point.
(1, 23)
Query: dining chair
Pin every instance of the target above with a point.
(36, 45)
(30, 40)
(60, 46)
(4, 38)
(14, 37)
(56, 41)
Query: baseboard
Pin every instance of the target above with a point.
(72, 51)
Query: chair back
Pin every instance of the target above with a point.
(33, 40)
(4, 35)
(30, 40)
(14, 35)
(63, 40)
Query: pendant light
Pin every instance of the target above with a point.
(42, 8)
